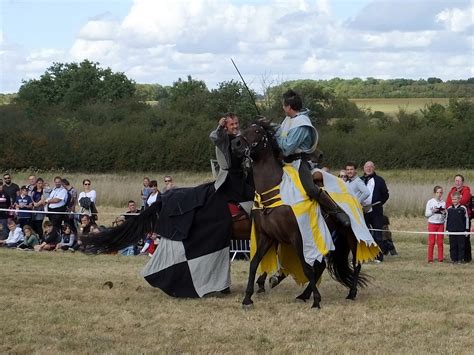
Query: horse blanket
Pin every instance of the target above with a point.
(192, 257)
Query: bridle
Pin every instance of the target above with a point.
(257, 146)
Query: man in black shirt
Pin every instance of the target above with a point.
(10, 188)
(4, 204)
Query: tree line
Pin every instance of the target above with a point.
(83, 117)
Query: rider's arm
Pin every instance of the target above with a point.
(218, 135)
(293, 140)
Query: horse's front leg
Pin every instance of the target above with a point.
(263, 246)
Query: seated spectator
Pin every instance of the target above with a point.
(31, 239)
(50, 237)
(15, 237)
(150, 244)
(68, 239)
(23, 203)
(86, 224)
(132, 208)
(169, 184)
(118, 221)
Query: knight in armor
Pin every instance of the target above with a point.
(297, 139)
(231, 180)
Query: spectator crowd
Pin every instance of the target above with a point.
(38, 217)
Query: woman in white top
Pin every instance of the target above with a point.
(154, 193)
(436, 212)
(88, 197)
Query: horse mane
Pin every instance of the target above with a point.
(270, 129)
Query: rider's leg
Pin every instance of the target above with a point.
(321, 196)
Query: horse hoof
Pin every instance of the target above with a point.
(300, 300)
(273, 281)
(351, 297)
(261, 290)
(247, 307)
(317, 306)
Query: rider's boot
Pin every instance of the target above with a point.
(331, 208)
(321, 196)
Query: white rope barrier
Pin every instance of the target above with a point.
(66, 213)
(136, 214)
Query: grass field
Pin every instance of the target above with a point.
(57, 303)
(391, 106)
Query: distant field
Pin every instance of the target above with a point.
(392, 105)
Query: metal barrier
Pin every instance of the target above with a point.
(240, 247)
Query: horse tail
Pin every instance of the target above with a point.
(130, 232)
(339, 266)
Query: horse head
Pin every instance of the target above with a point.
(254, 140)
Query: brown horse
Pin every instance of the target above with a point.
(279, 225)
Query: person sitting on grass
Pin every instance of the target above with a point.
(151, 242)
(50, 235)
(31, 239)
(15, 237)
(68, 239)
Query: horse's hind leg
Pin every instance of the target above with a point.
(355, 280)
(261, 282)
(264, 244)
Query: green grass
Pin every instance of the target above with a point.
(57, 303)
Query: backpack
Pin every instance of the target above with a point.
(85, 202)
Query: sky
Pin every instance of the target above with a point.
(157, 41)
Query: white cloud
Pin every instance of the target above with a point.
(160, 41)
(455, 19)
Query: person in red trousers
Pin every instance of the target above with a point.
(436, 212)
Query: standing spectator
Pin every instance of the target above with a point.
(87, 200)
(154, 193)
(131, 208)
(56, 202)
(68, 239)
(23, 203)
(31, 239)
(355, 184)
(71, 205)
(50, 235)
(342, 175)
(31, 184)
(4, 204)
(465, 200)
(436, 212)
(374, 204)
(38, 205)
(10, 188)
(15, 237)
(145, 192)
(457, 220)
(169, 183)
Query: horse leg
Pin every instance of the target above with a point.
(261, 282)
(263, 246)
(353, 290)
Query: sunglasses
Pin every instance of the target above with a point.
(87, 183)
(167, 180)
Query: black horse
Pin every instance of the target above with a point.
(280, 225)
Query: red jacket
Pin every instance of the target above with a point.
(465, 198)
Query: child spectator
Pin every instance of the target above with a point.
(31, 239)
(68, 239)
(457, 221)
(436, 212)
(151, 242)
(23, 203)
(15, 237)
(50, 235)
(145, 192)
